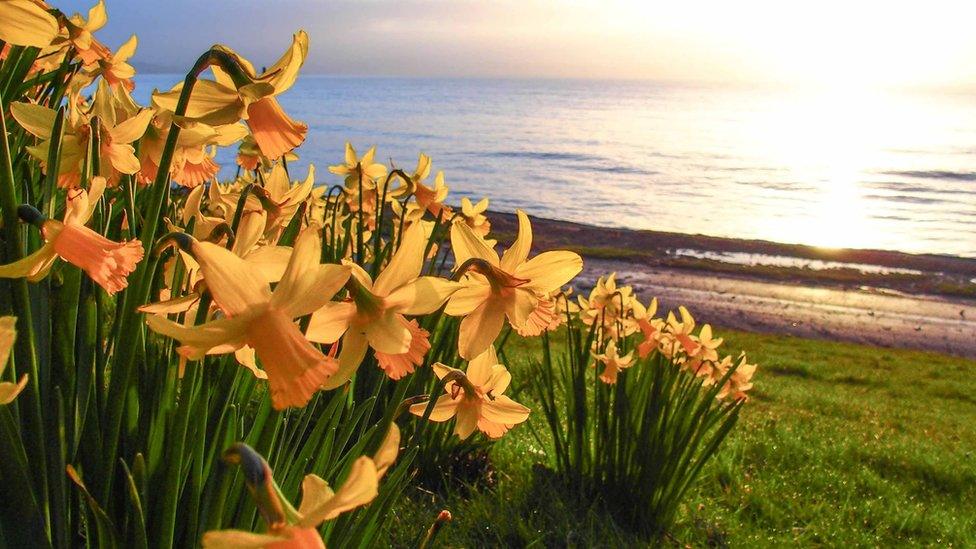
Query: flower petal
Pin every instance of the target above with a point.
(238, 539)
(466, 245)
(480, 328)
(504, 410)
(472, 293)
(354, 347)
(406, 263)
(388, 335)
(330, 322)
(519, 252)
(234, 285)
(444, 409)
(197, 340)
(359, 488)
(421, 296)
(26, 23)
(548, 271)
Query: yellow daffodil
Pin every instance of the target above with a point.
(80, 33)
(474, 216)
(740, 381)
(192, 164)
(357, 170)
(427, 199)
(290, 528)
(612, 362)
(678, 334)
(512, 286)
(116, 135)
(374, 314)
(26, 23)
(108, 263)
(8, 333)
(248, 96)
(476, 398)
(115, 67)
(649, 326)
(262, 319)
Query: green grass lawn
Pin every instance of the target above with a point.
(840, 445)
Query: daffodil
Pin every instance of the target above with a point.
(192, 163)
(357, 170)
(740, 381)
(427, 199)
(678, 334)
(115, 67)
(474, 216)
(116, 135)
(26, 23)
(80, 33)
(290, 528)
(513, 286)
(476, 398)
(612, 362)
(240, 93)
(8, 333)
(262, 319)
(374, 316)
(108, 263)
(649, 326)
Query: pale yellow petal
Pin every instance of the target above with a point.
(133, 128)
(549, 271)
(466, 245)
(359, 488)
(37, 120)
(269, 262)
(235, 286)
(479, 368)
(354, 347)
(387, 334)
(330, 321)
(480, 328)
(198, 340)
(444, 409)
(519, 252)
(470, 296)
(9, 391)
(467, 420)
(8, 334)
(315, 494)
(504, 410)
(32, 265)
(238, 539)
(388, 450)
(25, 23)
(422, 296)
(406, 263)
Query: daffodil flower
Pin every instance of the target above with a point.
(115, 140)
(250, 97)
(678, 334)
(26, 23)
(8, 333)
(374, 314)
(81, 33)
(262, 319)
(427, 199)
(649, 326)
(513, 286)
(740, 381)
(290, 528)
(476, 398)
(357, 170)
(612, 362)
(192, 164)
(115, 67)
(108, 263)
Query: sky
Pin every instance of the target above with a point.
(859, 43)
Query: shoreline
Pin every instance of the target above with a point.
(933, 310)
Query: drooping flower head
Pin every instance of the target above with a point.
(108, 263)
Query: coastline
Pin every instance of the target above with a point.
(931, 308)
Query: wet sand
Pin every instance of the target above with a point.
(835, 314)
(845, 305)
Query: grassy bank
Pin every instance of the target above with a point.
(841, 445)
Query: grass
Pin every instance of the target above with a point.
(841, 445)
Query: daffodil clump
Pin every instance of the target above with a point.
(172, 324)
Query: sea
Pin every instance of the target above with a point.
(828, 167)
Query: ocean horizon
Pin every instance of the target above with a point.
(885, 170)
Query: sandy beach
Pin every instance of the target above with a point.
(877, 307)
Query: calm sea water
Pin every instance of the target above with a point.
(828, 168)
